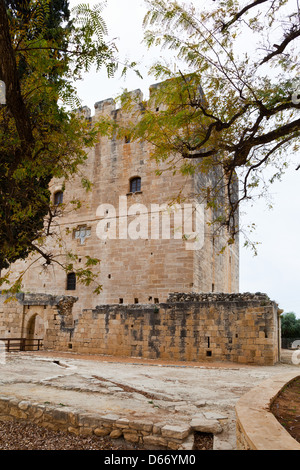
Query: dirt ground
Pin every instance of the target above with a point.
(286, 408)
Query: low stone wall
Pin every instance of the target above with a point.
(209, 327)
(150, 435)
(243, 328)
(257, 428)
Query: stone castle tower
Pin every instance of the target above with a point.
(143, 247)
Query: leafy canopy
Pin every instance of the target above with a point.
(290, 325)
(43, 49)
(228, 102)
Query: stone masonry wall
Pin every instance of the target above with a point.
(242, 328)
(150, 434)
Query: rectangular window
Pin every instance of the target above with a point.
(71, 281)
(135, 185)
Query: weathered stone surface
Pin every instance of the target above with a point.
(154, 441)
(177, 432)
(200, 403)
(101, 432)
(116, 433)
(122, 423)
(203, 424)
(38, 413)
(141, 425)
(188, 444)
(73, 430)
(214, 415)
(173, 445)
(18, 413)
(23, 405)
(131, 437)
(110, 418)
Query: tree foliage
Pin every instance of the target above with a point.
(229, 98)
(43, 49)
(290, 325)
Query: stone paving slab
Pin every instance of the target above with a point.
(172, 397)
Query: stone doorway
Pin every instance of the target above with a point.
(35, 330)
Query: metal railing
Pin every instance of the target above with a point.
(22, 344)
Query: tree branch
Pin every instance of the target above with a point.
(9, 74)
(279, 49)
(241, 13)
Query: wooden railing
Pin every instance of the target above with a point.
(22, 344)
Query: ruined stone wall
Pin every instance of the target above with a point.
(242, 328)
(142, 270)
(11, 318)
(238, 328)
(31, 315)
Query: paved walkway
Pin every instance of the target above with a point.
(172, 392)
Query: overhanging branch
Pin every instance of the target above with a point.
(9, 74)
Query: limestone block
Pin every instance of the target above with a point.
(173, 445)
(154, 441)
(18, 413)
(141, 425)
(23, 405)
(177, 432)
(102, 432)
(38, 413)
(116, 433)
(131, 436)
(73, 430)
(203, 424)
(86, 431)
(188, 444)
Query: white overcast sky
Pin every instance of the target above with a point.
(275, 270)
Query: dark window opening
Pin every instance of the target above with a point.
(208, 353)
(156, 301)
(120, 301)
(71, 281)
(58, 198)
(136, 301)
(135, 185)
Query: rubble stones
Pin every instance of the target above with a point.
(217, 297)
(86, 424)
